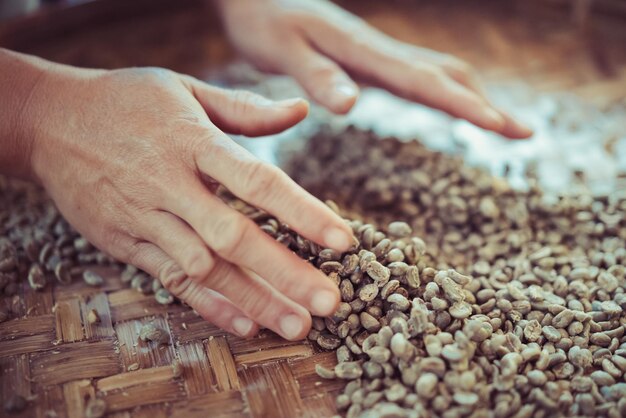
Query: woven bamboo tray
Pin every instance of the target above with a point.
(54, 357)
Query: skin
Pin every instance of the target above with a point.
(325, 48)
(131, 157)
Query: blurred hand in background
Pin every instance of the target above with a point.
(325, 48)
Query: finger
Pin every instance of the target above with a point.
(265, 186)
(237, 239)
(213, 307)
(396, 71)
(442, 93)
(246, 113)
(321, 78)
(258, 300)
(512, 128)
(182, 243)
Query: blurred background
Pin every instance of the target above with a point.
(559, 65)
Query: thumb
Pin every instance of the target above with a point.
(242, 112)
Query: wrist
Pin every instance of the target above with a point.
(19, 79)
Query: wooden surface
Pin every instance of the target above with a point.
(55, 358)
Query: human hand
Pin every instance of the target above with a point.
(129, 157)
(319, 44)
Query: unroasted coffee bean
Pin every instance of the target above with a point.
(602, 378)
(580, 357)
(63, 272)
(156, 285)
(383, 246)
(378, 272)
(396, 392)
(348, 370)
(401, 347)
(563, 319)
(398, 302)
(426, 385)
(369, 322)
(163, 296)
(379, 354)
(368, 292)
(328, 342)
(551, 333)
(465, 398)
(141, 282)
(399, 229)
(343, 354)
(460, 310)
(323, 372)
(151, 332)
(412, 277)
(93, 317)
(36, 277)
(128, 273)
(537, 377)
(92, 278)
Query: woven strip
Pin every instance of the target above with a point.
(55, 358)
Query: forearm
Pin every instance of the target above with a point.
(19, 76)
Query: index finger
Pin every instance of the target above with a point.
(269, 188)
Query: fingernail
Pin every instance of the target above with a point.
(525, 130)
(345, 89)
(337, 239)
(242, 325)
(288, 102)
(324, 302)
(493, 117)
(291, 326)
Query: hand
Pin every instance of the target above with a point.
(127, 156)
(318, 43)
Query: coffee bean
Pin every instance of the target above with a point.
(151, 332)
(92, 278)
(36, 277)
(348, 370)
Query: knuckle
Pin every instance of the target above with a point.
(155, 74)
(200, 263)
(134, 76)
(259, 180)
(458, 69)
(173, 278)
(434, 75)
(242, 101)
(256, 302)
(118, 244)
(229, 233)
(322, 72)
(217, 279)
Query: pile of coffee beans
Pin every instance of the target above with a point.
(514, 308)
